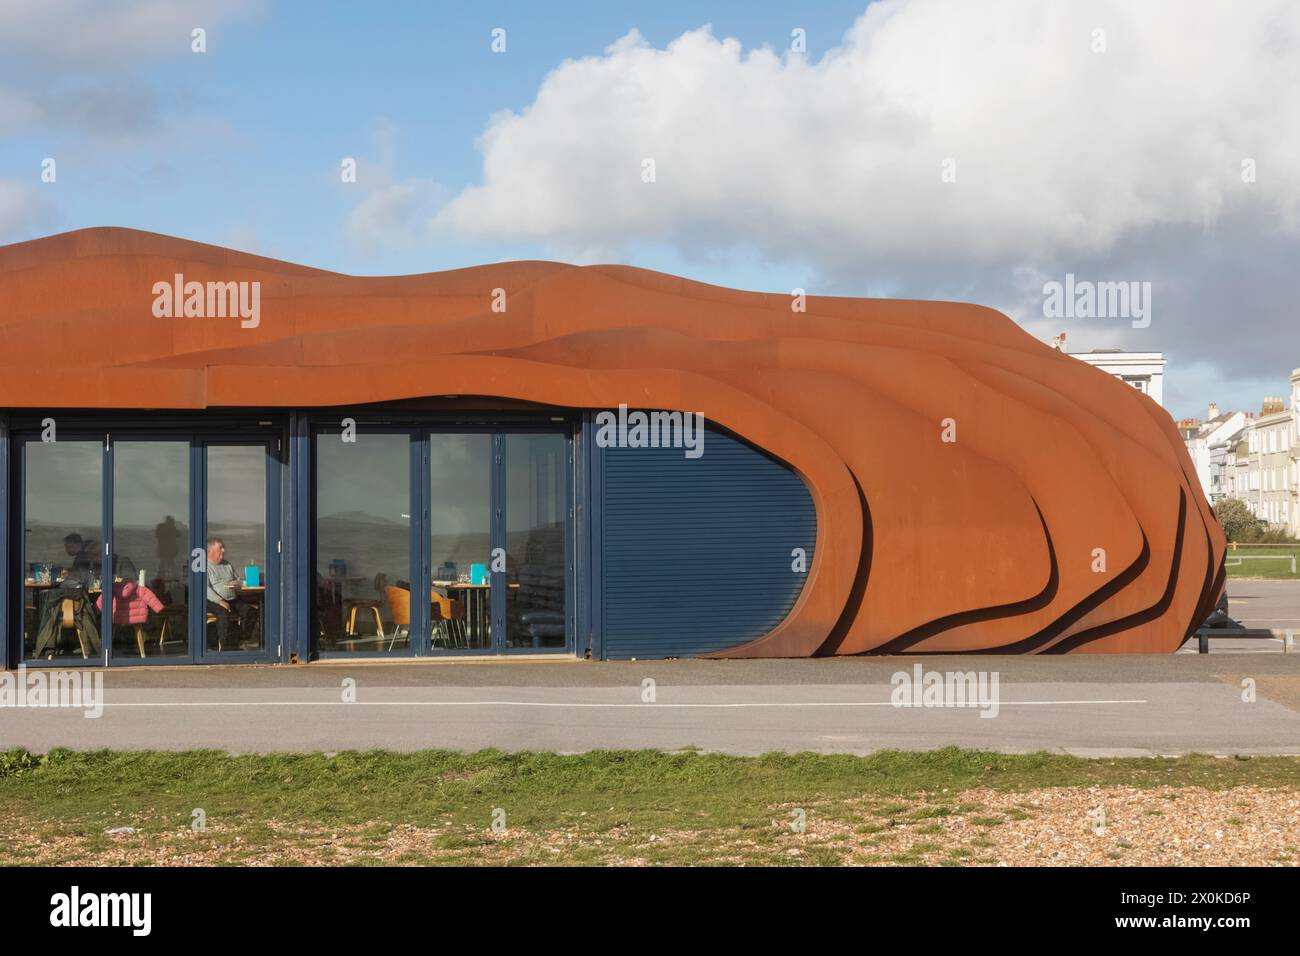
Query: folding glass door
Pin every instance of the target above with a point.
(172, 530)
(476, 518)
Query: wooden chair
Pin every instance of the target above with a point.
(448, 612)
(399, 607)
(139, 636)
(373, 608)
(68, 622)
(371, 605)
(169, 613)
(208, 620)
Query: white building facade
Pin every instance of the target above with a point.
(1211, 444)
(1145, 371)
(1253, 458)
(1295, 453)
(1270, 448)
(1236, 454)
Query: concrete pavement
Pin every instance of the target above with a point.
(1265, 603)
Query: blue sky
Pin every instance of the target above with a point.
(1106, 140)
(286, 91)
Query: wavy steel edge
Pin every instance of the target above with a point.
(983, 545)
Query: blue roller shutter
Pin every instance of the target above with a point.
(697, 553)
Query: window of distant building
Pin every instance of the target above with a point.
(1141, 384)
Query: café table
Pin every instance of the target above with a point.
(255, 594)
(477, 612)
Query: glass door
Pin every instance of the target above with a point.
(62, 513)
(234, 567)
(537, 551)
(173, 531)
(363, 542)
(442, 541)
(151, 551)
(499, 549)
(459, 517)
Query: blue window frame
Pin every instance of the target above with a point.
(422, 436)
(6, 547)
(202, 457)
(199, 435)
(287, 440)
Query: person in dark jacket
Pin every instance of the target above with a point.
(84, 555)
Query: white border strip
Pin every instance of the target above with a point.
(587, 704)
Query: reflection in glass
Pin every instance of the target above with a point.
(235, 583)
(151, 493)
(62, 549)
(363, 542)
(460, 518)
(536, 508)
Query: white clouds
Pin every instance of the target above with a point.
(75, 64)
(73, 79)
(90, 34)
(1058, 149)
(23, 209)
(392, 214)
(1117, 165)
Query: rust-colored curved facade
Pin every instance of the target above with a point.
(975, 490)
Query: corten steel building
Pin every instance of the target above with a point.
(872, 476)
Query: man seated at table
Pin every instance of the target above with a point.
(85, 557)
(223, 597)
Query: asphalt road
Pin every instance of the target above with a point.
(1084, 704)
(1087, 705)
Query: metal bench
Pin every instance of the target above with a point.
(1204, 634)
